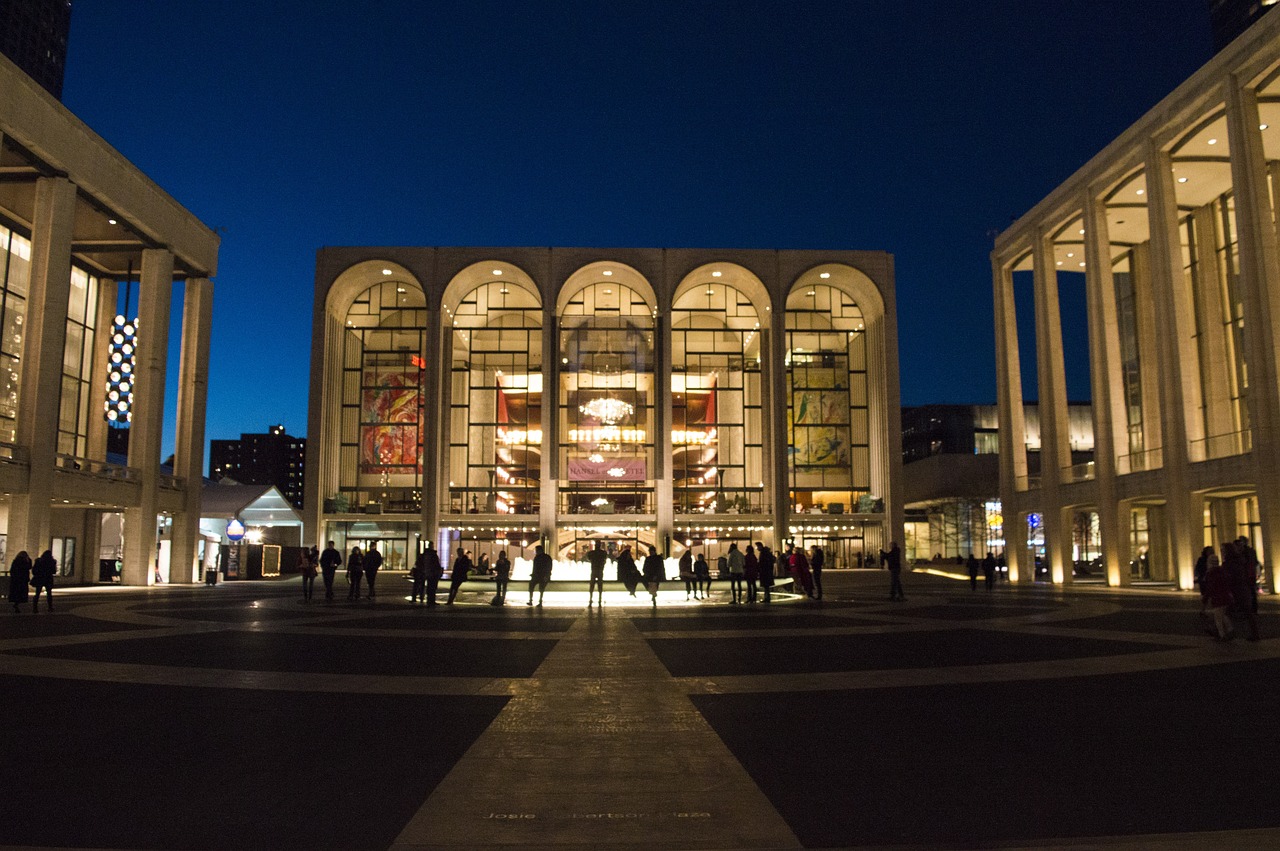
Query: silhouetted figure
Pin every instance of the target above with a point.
(482, 566)
(1242, 569)
(973, 572)
(751, 572)
(989, 570)
(540, 575)
(801, 573)
(736, 570)
(42, 573)
(1217, 594)
(767, 562)
(19, 579)
(892, 560)
(355, 572)
(702, 575)
(686, 573)
(597, 558)
(330, 559)
(628, 573)
(502, 568)
(372, 564)
(418, 573)
(654, 573)
(816, 561)
(435, 570)
(461, 569)
(308, 566)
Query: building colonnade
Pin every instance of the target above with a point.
(1171, 232)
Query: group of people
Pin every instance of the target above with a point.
(988, 567)
(24, 574)
(1229, 588)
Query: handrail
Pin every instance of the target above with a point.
(1079, 472)
(1136, 462)
(98, 469)
(1221, 445)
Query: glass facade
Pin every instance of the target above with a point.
(15, 278)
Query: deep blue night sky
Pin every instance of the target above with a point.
(919, 129)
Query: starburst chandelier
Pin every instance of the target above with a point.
(607, 410)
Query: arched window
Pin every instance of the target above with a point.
(606, 401)
(828, 440)
(717, 430)
(382, 399)
(495, 398)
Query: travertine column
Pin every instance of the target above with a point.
(1215, 366)
(1055, 449)
(44, 338)
(435, 453)
(193, 393)
(155, 290)
(1013, 428)
(778, 381)
(1260, 292)
(1108, 387)
(105, 319)
(1177, 363)
(550, 424)
(662, 415)
(1147, 337)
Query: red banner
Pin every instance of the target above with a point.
(608, 470)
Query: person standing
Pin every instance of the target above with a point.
(1217, 595)
(435, 570)
(767, 561)
(750, 571)
(19, 579)
(654, 573)
(628, 575)
(329, 561)
(736, 562)
(372, 563)
(686, 573)
(419, 576)
(1242, 570)
(461, 568)
(973, 571)
(800, 570)
(355, 572)
(503, 576)
(42, 573)
(702, 576)
(816, 562)
(989, 570)
(597, 558)
(540, 575)
(307, 567)
(892, 560)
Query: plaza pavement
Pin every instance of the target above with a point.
(239, 717)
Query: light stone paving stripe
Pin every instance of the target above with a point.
(602, 747)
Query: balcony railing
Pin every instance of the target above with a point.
(1137, 462)
(1078, 473)
(1027, 483)
(11, 453)
(1221, 445)
(99, 469)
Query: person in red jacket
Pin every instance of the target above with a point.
(1217, 594)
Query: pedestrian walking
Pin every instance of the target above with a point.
(654, 573)
(42, 573)
(597, 558)
(628, 573)
(435, 570)
(989, 570)
(767, 560)
(355, 573)
(801, 572)
(419, 576)
(892, 560)
(737, 570)
(372, 564)
(1198, 574)
(540, 575)
(307, 566)
(973, 571)
(19, 580)
(330, 559)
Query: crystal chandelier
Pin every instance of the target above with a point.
(607, 410)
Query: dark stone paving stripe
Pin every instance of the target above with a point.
(705, 657)
(517, 622)
(762, 620)
(179, 768)
(32, 626)
(1186, 622)
(944, 766)
(326, 654)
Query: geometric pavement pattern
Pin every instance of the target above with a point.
(240, 717)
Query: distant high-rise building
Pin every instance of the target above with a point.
(1229, 18)
(274, 458)
(33, 34)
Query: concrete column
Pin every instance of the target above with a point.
(435, 453)
(778, 384)
(884, 418)
(550, 494)
(1105, 373)
(1148, 357)
(155, 290)
(1013, 428)
(1260, 292)
(44, 338)
(1180, 406)
(1055, 449)
(662, 417)
(193, 393)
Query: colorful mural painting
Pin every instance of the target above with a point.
(818, 421)
(390, 419)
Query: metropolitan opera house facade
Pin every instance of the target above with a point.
(501, 398)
